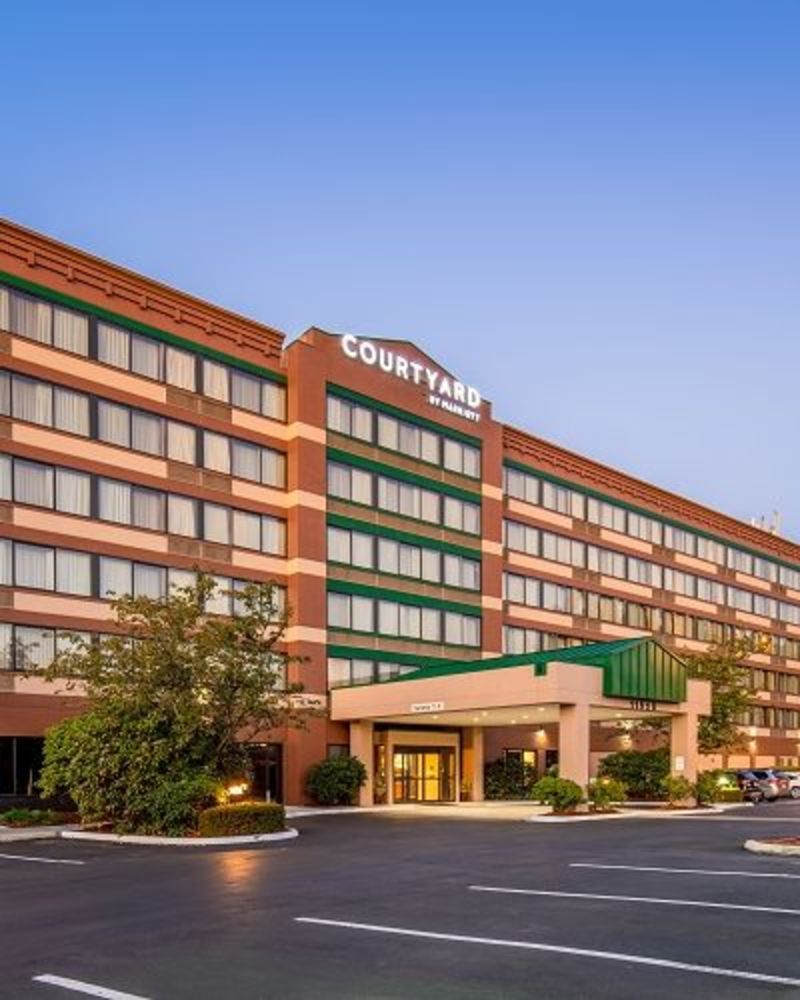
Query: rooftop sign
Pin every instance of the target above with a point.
(443, 391)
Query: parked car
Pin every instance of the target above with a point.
(769, 782)
(793, 777)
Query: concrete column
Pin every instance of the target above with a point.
(573, 743)
(361, 746)
(472, 761)
(683, 745)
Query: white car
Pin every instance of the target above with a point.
(793, 777)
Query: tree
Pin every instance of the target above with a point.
(722, 665)
(172, 700)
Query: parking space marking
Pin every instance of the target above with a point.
(90, 989)
(681, 871)
(702, 903)
(610, 956)
(41, 861)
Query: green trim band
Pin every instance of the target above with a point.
(422, 541)
(392, 472)
(132, 324)
(401, 597)
(335, 564)
(407, 659)
(654, 516)
(394, 411)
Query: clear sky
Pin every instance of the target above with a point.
(591, 210)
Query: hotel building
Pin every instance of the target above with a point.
(461, 589)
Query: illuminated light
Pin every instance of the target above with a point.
(541, 709)
(513, 722)
(524, 716)
(484, 713)
(619, 715)
(436, 716)
(237, 788)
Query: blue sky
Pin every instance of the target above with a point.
(591, 210)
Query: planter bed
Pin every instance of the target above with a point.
(788, 847)
(133, 838)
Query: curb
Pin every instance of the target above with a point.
(10, 835)
(625, 814)
(767, 847)
(133, 838)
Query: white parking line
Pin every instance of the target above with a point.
(637, 899)
(611, 956)
(681, 871)
(41, 861)
(89, 989)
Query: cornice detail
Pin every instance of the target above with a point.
(42, 260)
(568, 465)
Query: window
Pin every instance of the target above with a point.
(33, 483)
(32, 401)
(113, 424)
(147, 433)
(149, 581)
(246, 530)
(388, 618)
(215, 381)
(73, 492)
(113, 346)
(181, 443)
(362, 550)
(246, 461)
(461, 630)
(116, 577)
(71, 411)
(362, 612)
(146, 357)
(245, 391)
(70, 331)
(182, 516)
(338, 545)
(73, 572)
(349, 483)
(273, 468)
(216, 522)
(180, 369)
(34, 566)
(338, 611)
(216, 452)
(148, 509)
(6, 476)
(273, 535)
(114, 501)
(30, 317)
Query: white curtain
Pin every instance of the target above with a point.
(72, 411)
(181, 443)
(31, 318)
(113, 424)
(113, 346)
(33, 483)
(34, 566)
(273, 538)
(215, 380)
(33, 401)
(216, 523)
(147, 433)
(149, 581)
(73, 572)
(246, 530)
(114, 501)
(6, 487)
(115, 577)
(146, 357)
(216, 452)
(70, 331)
(246, 461)
(181, 369)
(182, 516)
(246, 391)
(73, 492)
(148, 509)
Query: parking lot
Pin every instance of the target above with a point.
(413, 906)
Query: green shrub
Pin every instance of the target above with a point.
(336, 781)
(729, 795)
(508, 778)
(641, 771)
(560, 793)
(715, 786)
(678, 789)
(139, 773)
(605, 793)
(34, 817)
(241, 819)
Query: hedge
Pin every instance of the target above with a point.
(241, 819)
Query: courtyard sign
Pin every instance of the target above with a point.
(443, 391)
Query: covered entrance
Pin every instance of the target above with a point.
(423, 774)
(421, 735)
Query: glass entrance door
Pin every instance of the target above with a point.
(424, 774)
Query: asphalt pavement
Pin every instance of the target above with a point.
(393, 906)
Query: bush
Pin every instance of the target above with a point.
(135, 772)
(678, 789)
(336, 781)
(34, 817)
(641, 771)
(560, 793)
(508, 778)
(605, 793)
(241, 819)
(716, 786)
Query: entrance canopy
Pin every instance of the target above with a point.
(636, 677)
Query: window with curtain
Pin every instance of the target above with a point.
(431, 625)
(245, 391)
(246, 461)
(216, 524)
(113, 346)
(361, 483)
(5, 393)
(409, 560)
(114, 424)
(246, 530)
(388, 618)
(6, 478)
(116, 577)
(388, 555)
(147, 433)
(431, 565)
(71, 411)
(338, 611)
(34, 566)
(362, 611)
(180, 578)
(182, 516)
(30, 317)
(216, 381)
(73, 492)
(34, 648)
(363, 550)
(338, 415)
(220, 601)
(273, 468)
(216, 452)
(338, 545)
(430, 506)
(410, 621)
(6, 630)
(181, 443)
(146, 357)
(73, 572)
(273, 400)
(149, 581)
(148, 509)
(273, 535)
(32, 401)
(180, 369)
(6, 562)
(33, 483)
(70, 331)
(114, 501)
